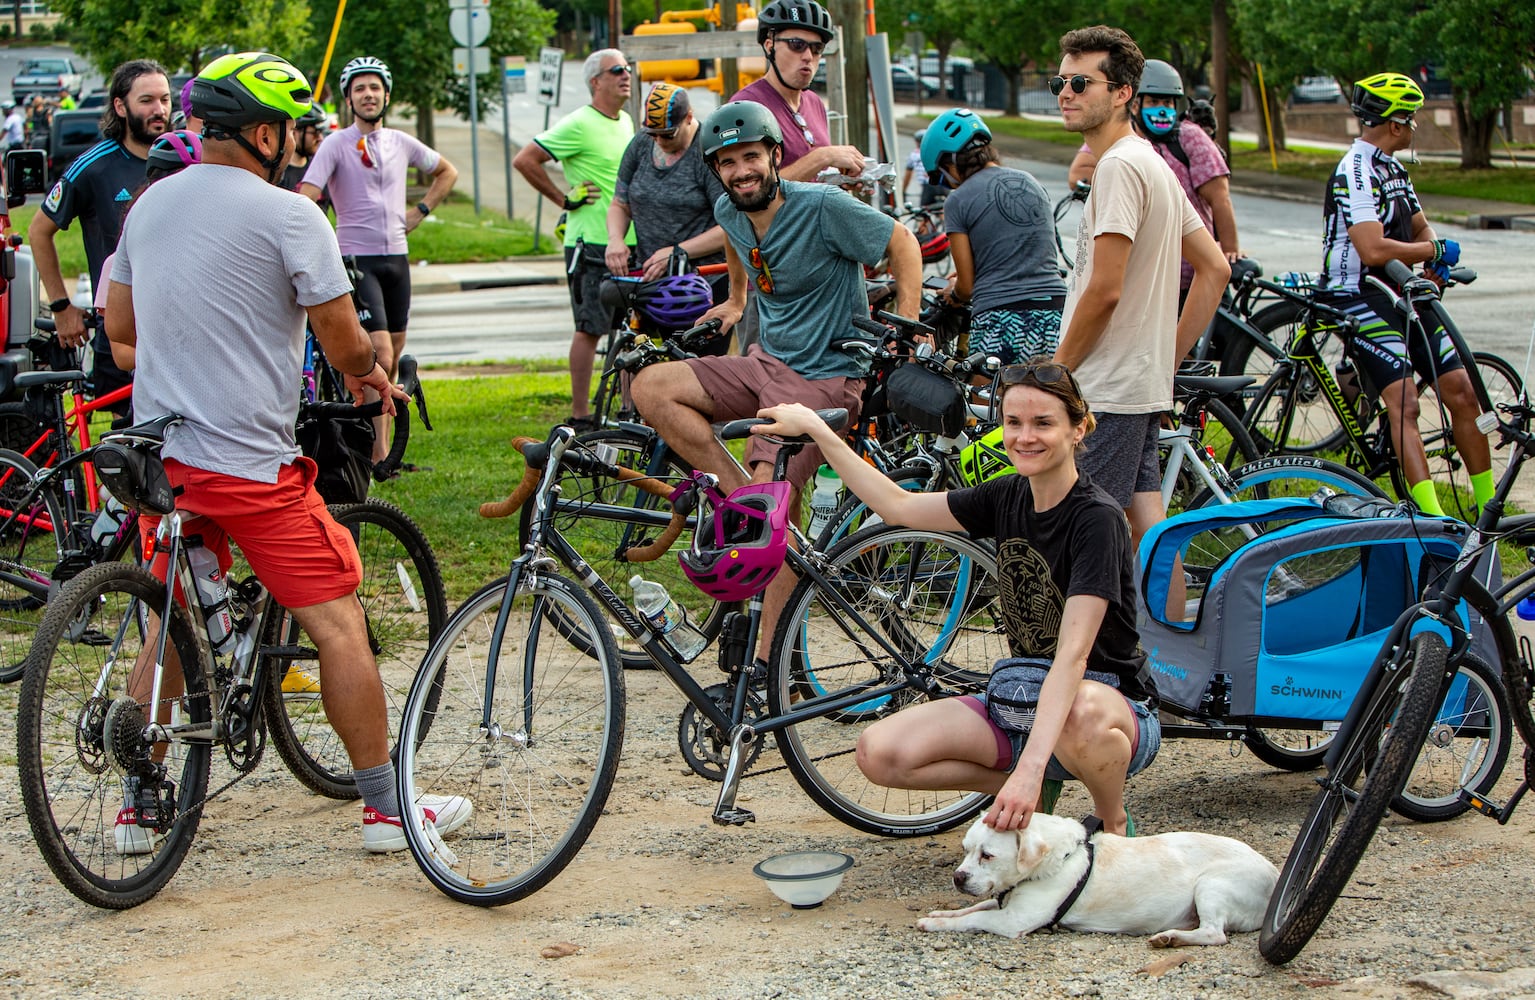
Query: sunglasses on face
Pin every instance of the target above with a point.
(362, 147)
(622, 69)
(804, 128)
(764, 276)
(1079, 83)
(670, 133)
(800, 45)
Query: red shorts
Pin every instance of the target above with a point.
(296, 549)
(740, 386)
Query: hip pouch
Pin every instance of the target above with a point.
(1012, 691)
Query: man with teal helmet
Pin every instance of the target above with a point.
(1372, 217)
(212, 317)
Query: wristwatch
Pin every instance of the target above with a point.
(59, 305)
(423, 208)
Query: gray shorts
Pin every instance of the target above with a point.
(1121, 455)
(1148, 739)
(586, 291)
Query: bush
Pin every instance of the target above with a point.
(6, 31)
(40, 32)
(61, 31)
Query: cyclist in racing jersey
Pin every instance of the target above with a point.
(213, 315)
(362, 168)
(1373, 217)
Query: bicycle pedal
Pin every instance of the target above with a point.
(734, 816)
(1491, 809)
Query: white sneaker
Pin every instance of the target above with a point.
(130, 838)
(444, 813)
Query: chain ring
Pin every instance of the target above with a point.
(90, 729)
(704, 747)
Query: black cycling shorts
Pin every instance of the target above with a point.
(383, 293)
(1381, 348)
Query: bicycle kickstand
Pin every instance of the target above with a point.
(726, 812)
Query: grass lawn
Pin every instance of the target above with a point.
(1497, 184)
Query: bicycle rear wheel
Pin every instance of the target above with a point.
(1346, 811)
(403, 601)
(30, 548)
(1467, 746)
(1503, 386)
(531, 737)
(78, 736)
(1291, 414)
(922, 599)
(601, 540)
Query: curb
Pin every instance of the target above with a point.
(444, 286)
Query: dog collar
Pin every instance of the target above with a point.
(1066, 904)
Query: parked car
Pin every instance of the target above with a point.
(1433, 81)
(45, 76)
(905, 83)
(1317, 90)
(73, 132)
(959, 75)
(95, 100)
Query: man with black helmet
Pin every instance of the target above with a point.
(307, 133)
(793, 34)
(803, 248)
(1372, 217)
(363, 170)
(213, 315)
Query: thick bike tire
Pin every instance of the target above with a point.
(1470, 730)
(1320, 864)
(1291, 476)
(1288, 749)
(70, 778)
(1503, 385)
(19, 427)
(933, 598)
(599, 541)
(537, 761)
(405, 608)
(30, 548)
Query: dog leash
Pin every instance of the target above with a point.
(1066, 904)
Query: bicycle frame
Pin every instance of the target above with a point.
(74, 423)
(545, 538)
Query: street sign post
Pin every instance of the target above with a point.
(469, 24)
(514, 80)
(551, 66)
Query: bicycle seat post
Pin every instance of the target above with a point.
(726, 812)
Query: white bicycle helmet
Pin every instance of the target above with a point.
(366, 64)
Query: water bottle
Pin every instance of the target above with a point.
(823, 502)
(83, 299)
(213, 591)
(1291, 279)
(1526, 609)
(668, 618)
(109, 519)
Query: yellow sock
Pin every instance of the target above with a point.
(1482, 487)
(1424, 496)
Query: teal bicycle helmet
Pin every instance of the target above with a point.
(951, 132)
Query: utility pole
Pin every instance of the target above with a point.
(849, 14)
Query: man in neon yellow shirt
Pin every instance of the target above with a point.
(589, 143)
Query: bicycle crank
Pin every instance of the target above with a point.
(705, 748)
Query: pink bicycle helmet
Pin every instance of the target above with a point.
(749, 543)
(676, 301)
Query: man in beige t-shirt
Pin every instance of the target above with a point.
(1121, 332)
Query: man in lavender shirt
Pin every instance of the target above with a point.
(362, 169)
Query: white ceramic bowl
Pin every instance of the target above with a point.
(804, 879)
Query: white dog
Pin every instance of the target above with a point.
(1182, 888)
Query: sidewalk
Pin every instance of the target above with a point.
(436, 279)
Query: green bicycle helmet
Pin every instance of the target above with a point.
(1385, 97)
(954, 130)
(737, 122)
(248, 88)
(984, 459)
(782, 14)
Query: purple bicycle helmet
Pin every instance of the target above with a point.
(174, 150)
(751, 539)
(675, 302)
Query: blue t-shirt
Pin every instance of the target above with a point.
(1011, 227)
(814, 252)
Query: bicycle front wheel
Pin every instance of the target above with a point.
(78, 738)
(405, 607)
(1346, 811)
(917, 600)
(30, 548)
(524, 725)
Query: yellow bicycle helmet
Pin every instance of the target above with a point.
(247, 88)
(1386, 97)
(984, 459)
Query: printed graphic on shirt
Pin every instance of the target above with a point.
(55, 196)
(1031, 607)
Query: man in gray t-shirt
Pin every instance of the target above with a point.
(212, 316)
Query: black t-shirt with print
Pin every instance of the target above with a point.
(96, 189)
(1079, 546)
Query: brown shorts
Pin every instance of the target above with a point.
(740, 386)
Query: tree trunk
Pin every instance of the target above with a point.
(426, 126)
(1219, 48)
(1014, 84)
(855, 61)
(1475, 132)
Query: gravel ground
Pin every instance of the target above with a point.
(277, 899)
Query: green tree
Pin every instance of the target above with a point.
(1016, 34)
(179, 33)
(412, 37)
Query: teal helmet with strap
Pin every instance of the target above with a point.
(950, 133)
